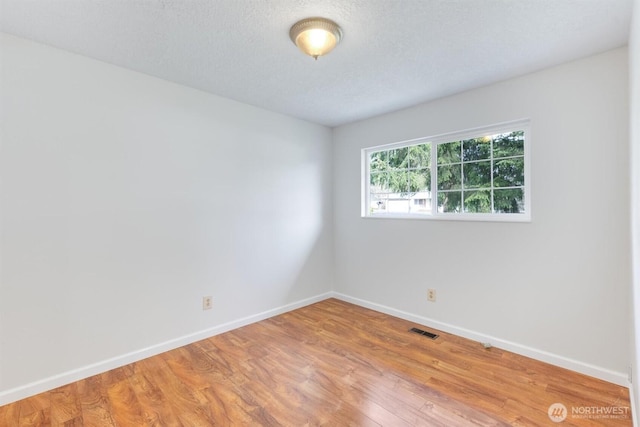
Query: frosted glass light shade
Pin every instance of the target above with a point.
(315, 36)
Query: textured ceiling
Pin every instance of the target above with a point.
(395, 53)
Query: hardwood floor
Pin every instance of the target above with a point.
(333, 364)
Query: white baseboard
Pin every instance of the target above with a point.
(618, 378)
(52, 382)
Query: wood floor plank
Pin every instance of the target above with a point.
(65, 405)
(126, 408)
(94, 402)
(155, 409)
(189, 404)
(327, 364)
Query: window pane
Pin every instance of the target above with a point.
(378, 203)
(421, 203)
(449, 152)
(398, 158)
(508, 172)
(398, 203)
(477, 174)
(398, 181)
(420, 156)
(449, 177)
(449, 201)
(509, 201)
(476, 149)
(379, 182)
(378, 161)
(477, 201)
(420, 180)
(508, 144)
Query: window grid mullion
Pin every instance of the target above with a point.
(408, 188)
(367, 177)
(434, 178)
(493, 209)
(462, 177)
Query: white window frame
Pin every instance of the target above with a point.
(507, 127)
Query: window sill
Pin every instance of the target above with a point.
(455, 217)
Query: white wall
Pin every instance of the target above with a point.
(634, 74)
(126, 198)
(556, 288)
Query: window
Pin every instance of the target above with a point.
(480, 174)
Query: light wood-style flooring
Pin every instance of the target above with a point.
(331, 364)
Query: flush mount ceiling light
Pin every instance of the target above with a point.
(315, 36)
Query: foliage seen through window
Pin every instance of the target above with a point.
(482, 175)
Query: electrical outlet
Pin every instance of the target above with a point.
(431, 295)
(207, 303)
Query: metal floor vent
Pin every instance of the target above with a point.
(425, 333)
